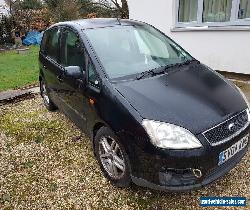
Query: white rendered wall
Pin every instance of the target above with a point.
(221, 50)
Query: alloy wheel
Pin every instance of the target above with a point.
(111, 157)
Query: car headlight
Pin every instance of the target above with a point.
(165, 135)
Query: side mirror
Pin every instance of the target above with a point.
(74, 72)
(79, 77)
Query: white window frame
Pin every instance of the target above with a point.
(234, 20)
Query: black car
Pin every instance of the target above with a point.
(156, 116)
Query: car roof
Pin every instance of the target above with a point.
(93, 23)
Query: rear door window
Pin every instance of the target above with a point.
(52, 39)
(44, 41)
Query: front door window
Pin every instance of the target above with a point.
(72, 52)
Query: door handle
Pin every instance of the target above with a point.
(60, 79)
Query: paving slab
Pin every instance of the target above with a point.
(11, 95)
(35, 90)
(245, 87)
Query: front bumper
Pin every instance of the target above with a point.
(216, 173)
(171, 170)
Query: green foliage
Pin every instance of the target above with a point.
(31, 4)
(119, 7)
(17, 70)
(63, 10)
(6, 25)
(101, 10)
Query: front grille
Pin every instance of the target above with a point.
(224, 131)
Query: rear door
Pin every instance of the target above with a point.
(50, 62)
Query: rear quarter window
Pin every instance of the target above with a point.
(44, 40)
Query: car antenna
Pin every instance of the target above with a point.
(119, 20)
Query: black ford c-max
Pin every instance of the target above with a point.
(156, 116)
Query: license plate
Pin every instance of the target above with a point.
(233, 150)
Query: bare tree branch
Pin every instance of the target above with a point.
(116, 3)
(102, 4)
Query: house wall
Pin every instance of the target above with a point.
(221, 50)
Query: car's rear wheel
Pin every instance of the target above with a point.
(112, 157)
(46, 99)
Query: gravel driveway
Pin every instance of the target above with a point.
(46, 164)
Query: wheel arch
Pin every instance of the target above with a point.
(97, 127)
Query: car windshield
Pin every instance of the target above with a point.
(131, 50)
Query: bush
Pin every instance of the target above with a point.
(6, 26)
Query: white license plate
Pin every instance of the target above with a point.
(234, 149)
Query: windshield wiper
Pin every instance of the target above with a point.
(154, 72)
(163, 69)
(146, 74)
(187, 62)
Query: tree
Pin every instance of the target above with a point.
(23, 4)
(63, 10)
(28, 14)
(10, 4)
(122, 7)
(31, 4)
(6, 25)
(90, 8)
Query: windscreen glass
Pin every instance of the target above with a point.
(129, 50)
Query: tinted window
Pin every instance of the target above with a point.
(52, 43)
(72, 51)
(44, 41)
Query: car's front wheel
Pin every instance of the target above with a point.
(46, 99)
(112, 157)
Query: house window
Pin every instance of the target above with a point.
(217, 10)
(188, 10)
(212, 13)
(244, 9)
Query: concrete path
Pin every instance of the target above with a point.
(245, 87)
(10, 95)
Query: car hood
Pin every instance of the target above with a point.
(192, 96)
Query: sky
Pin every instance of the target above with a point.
(1, 9)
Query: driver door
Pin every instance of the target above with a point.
(72, 93)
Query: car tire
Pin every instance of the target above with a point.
(112, 158)
(46, 99)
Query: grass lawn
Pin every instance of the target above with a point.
(18, 70)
